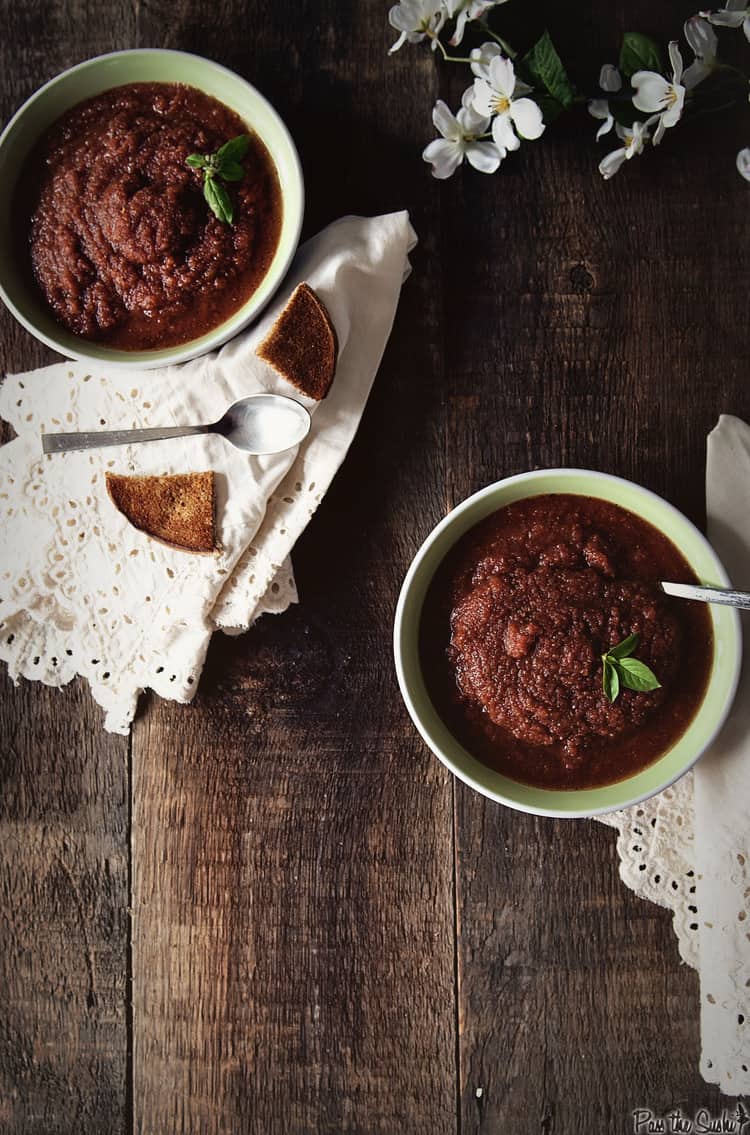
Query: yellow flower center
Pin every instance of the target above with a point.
(501, 104)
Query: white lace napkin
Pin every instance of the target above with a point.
(81, 590)
(689, 848)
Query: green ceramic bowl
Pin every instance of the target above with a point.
(89, 79)
(700, 732)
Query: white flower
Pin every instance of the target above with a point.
(416, 19)
(467, 10)
(743, 163)
(496, 97)
(610, 79)
(599, 108)
(460, 139)
(634, 139)
(702, 38)
(481, 57)
(734, 14)
(655, 93)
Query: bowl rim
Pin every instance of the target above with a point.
(237, 321)
(539, 808)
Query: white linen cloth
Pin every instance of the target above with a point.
(84, 592)
(722, 796)
(689, 847)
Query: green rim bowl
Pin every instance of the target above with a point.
(574, 803)
(144, 66)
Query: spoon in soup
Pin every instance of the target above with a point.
(260, 424)
(722, 595)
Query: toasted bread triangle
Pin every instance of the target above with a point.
(176, 509)
(302, 344)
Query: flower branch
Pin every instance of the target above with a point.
(513, 99)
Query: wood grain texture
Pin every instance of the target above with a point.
(615, 347)
(63, 920)
(329, 934)
(293, 950)
(64, 795)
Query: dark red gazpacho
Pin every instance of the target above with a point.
(516, 622)
(123, 247)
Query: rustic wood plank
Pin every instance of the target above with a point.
(293, 919)
(294, 863)
(614, 347)
(64, 796)
(63, 917)
(293, 946)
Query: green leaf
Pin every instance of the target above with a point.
(219, 200)
(639, 53)
(624, 648)
(546, 70)
(231, 171)
(233, 151)
(225, 163)
(619, 668)
(636, 675)
(610, 680)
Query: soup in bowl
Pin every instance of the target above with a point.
(539, 659)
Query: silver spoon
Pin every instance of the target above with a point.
(708, 594)
(260, 424)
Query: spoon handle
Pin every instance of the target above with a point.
(708, 594)
(61, 443)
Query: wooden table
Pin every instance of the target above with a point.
(274, 911)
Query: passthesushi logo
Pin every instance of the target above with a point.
(735, 1121)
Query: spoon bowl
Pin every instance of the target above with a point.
(264, 423)
(260, 424)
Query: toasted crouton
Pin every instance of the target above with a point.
(178, 510)
(302, 344)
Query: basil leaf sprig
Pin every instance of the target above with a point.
(619, 668)
(224, 165)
